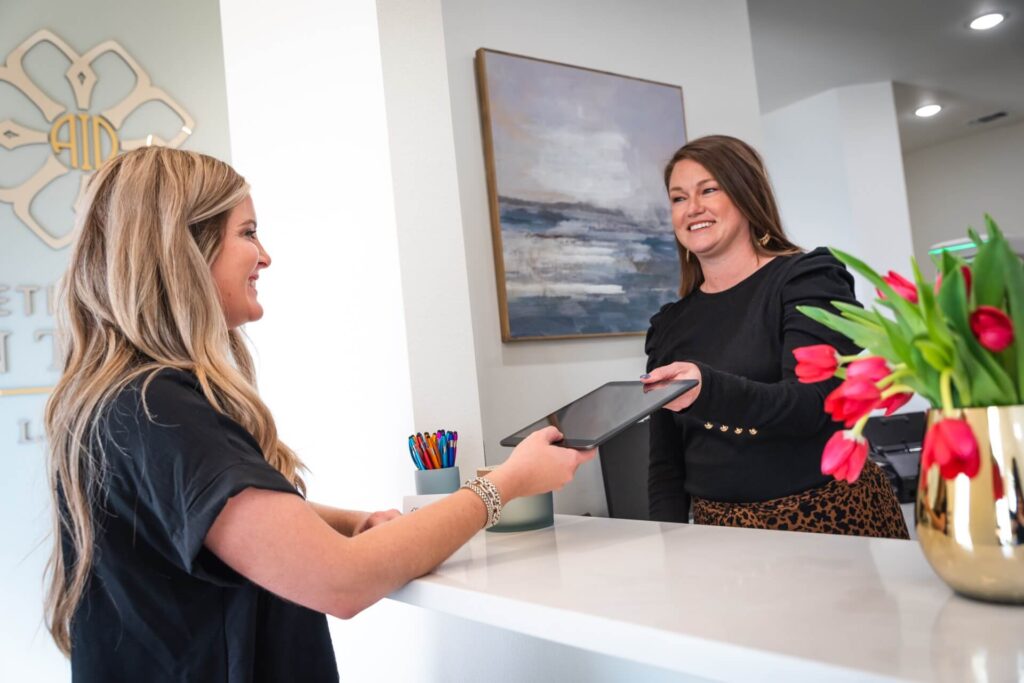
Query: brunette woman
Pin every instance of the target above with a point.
(744, 448)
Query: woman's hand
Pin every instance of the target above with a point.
(538, 466)
(373, 519)
(673, 371)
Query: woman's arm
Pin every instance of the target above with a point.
(787, 406)
(352, 522)
(278, 541)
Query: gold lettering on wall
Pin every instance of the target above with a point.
(75, 133)
(26, 391)
(83, 132)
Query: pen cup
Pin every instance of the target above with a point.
(444, 480)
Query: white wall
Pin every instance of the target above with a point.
(430, 230)
(702, 45)
(308, 129)
(837, 168)
(953, 185)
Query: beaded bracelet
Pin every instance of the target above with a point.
(488, 493)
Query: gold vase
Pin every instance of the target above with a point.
(972, 530)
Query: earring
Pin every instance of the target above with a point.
(687, 254)
(764, 239)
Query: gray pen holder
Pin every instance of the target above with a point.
(444, 480)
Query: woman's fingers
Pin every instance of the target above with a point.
(376, 519)
(551, 434)
(678, 370)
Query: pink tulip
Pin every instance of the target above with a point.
(951, 445)
(844, 456)
(992, 327)
(815, 363)
(852, 400)
(903, 287)
(875, 369)
(872, 368)
(895, 402)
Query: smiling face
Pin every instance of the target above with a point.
(238, 265)
(705, 219)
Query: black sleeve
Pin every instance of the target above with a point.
(788, 406)
(178, 467)
(667, 498)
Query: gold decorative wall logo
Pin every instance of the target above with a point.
(78, 138)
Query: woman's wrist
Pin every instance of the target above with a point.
(506, 483)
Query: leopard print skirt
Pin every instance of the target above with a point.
(866, 508)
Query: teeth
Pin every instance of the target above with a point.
(700, 226)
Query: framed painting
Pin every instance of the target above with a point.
(583, 244)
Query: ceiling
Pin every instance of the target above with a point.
(804, 47)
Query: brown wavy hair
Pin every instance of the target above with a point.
(741, 174)
(138, 297)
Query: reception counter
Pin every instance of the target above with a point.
(728, 604)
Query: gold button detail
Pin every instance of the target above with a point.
(753, 432)
(723, 428)
(738, 431)
(708, 425)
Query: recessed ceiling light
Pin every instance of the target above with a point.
(987, 21)
(928, 110)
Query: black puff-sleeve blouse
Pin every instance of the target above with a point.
(754, 433)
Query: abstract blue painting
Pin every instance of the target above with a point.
(579, 212)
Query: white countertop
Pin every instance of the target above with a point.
(729, 604)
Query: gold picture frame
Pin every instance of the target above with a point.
(583, 245)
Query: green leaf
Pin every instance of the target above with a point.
(852, 312)
(1013, 272)
(930, 311)
(975, 237)
(900, 343)
(906, 312)
(862, 335)
(990, 384)
(989, 280)
(962, 396)
(934, 354)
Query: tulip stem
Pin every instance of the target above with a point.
(899, 372)
(946, 390)
(897, 389)
(858, 426)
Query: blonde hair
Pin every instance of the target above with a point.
(740, 172)
(138, 297)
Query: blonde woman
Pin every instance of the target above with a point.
(184, 549)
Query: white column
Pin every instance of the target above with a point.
(432, 248)
(308, 129)
(837, 167)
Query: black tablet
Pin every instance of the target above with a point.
(591, 420)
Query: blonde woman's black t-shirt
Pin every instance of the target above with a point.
(159, 606)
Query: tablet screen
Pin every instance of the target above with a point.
(591, 420)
